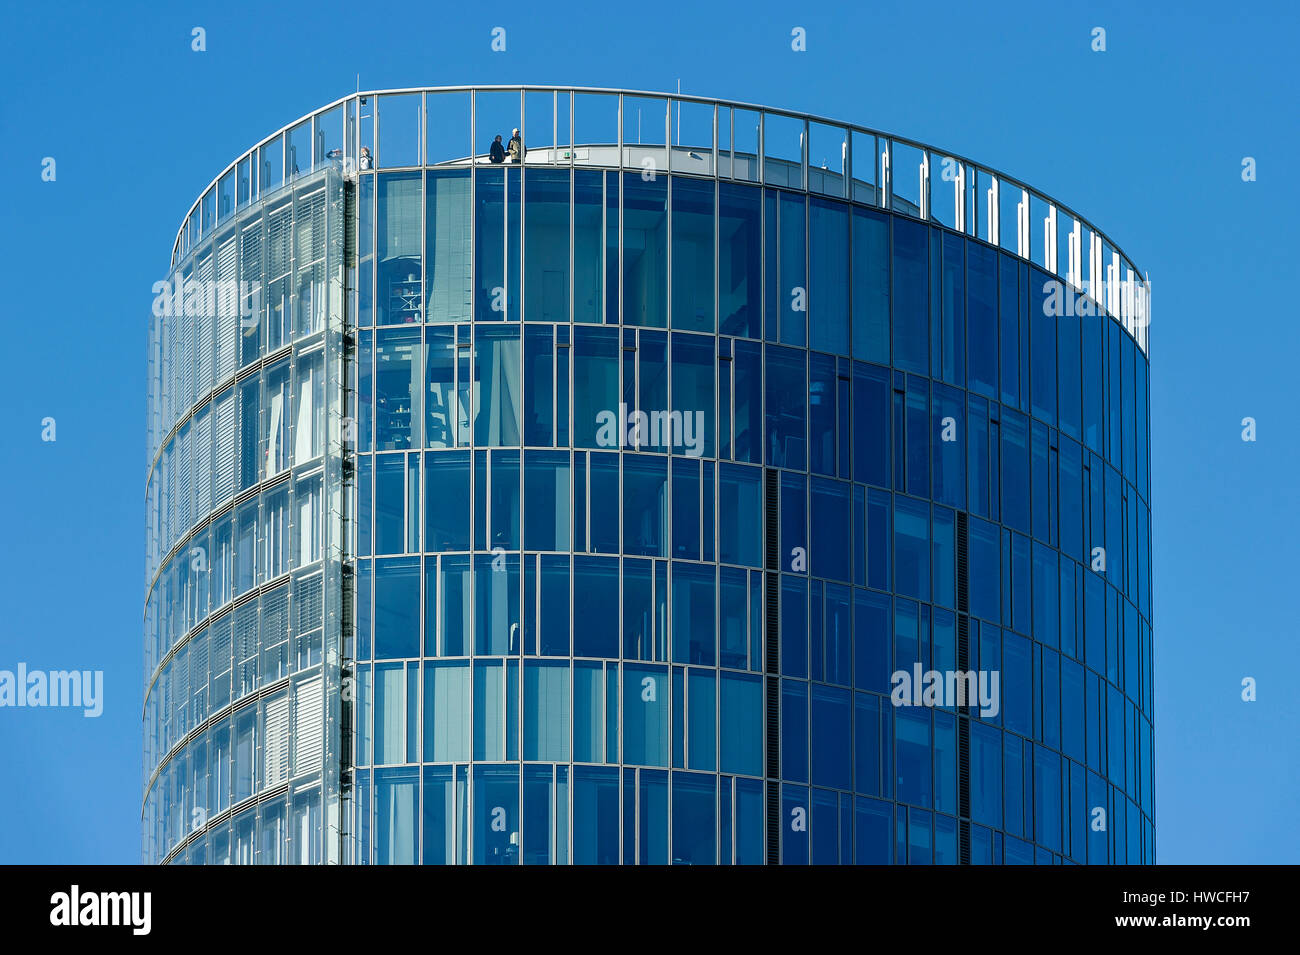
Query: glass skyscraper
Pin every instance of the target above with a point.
(644, 487)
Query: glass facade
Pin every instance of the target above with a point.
(592, 507)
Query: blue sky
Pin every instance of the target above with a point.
(1146, 140)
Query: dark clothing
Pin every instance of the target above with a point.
(496, 153)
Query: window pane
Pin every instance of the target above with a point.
(829, 287)
(447, 236)
(400, 298)
(910, 298)
(693, 221)
(645, 251)
(496, 386)
(546, 711)
(546, 251)
(739, 260)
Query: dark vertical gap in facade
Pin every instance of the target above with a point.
(347, 602)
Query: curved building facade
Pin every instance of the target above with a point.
(698, 483)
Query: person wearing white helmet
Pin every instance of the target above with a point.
(516, 146)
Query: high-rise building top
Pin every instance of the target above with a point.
(672, 480)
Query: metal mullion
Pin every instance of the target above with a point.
(686, 717)
(523, 251)
(622, 216)
(573, 187)
(668, 131)
(716, 175)
(804, 144)
(731, 144)
(670, 318)
(473, 231)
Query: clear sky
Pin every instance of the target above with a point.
(1146, 140)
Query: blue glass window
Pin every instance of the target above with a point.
(794, 730)
(693, 629)
(742, 728)
(830, 524)
(1015, 470)
(1011, 332)
(444, 827)
(870, 286)
(831, 735)
(446, 233)
(546, 500)
(829, 286)
(546, 245)
(595, 385)
(645, 505)
(589, 246)
(822, 392)
(645, 250)
(911, 283)
(694, 819)
(701, 707)
(400, 298)
(496, 248)
(446, 712)
(1042, 333)
(983, 276)
(739, 260)
(645, 715)
(873, 832)
(787, 423)
(595, 815)
(911, 548)
(447, 485)
(397, 607)
(949, 432)
(693, 366)
(496, 612)
(912, 727)
(984, 566)
(871, 397)
(693, 221)
(739, 515)
(554, 605)
(653, 833)
(595, 606)
(546, 710)
(792, 291)
(949, 361)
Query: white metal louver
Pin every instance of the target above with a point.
(224, 437)
(275, 740)
(308, 725)
(227, 312)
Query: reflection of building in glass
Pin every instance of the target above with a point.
(408, 603)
